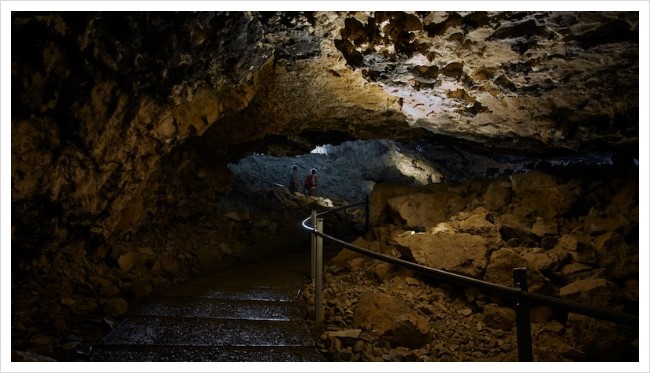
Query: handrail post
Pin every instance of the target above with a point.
(313, 246)
(319, 274)
(367, 200)
(522, 310)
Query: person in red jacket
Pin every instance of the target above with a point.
(311, 183)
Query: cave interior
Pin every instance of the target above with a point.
(167, 139)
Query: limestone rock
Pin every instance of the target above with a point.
(615, 255)
(541, 260)
(382, 271)
(461, 253)
(382, 315)
(498, 317)
(426, 209)
(480, 221)
(497, 195)
(347, 336)
(573, 268)
(543, 227)
(500, 271)
(514, 226)
(126, 262)
(597, 223)
(596, 292)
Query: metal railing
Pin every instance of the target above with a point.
(519, 292)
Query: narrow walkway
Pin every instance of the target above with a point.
(245, 313)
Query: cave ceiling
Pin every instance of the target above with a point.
(101, 99)
(532, 81)
(287, 81)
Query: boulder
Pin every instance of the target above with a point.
(497, 317)
(379, 197)
(597, 222)
(543, 227)
(626, 202)
(126, 261)
(597, 292)
(504, 260)
(541, 260)
(461, 253)
(103, 286)
(382, 271)
(541, 195)
(387, 317)
(497, 195)
(576, 246)
(574, 268)
(347, 336)
(426, 209)
(116, 307)
(614, 254)
(516, 228)
(479, 221)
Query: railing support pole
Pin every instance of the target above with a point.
(319, 274)
(367, 200)
(522, 310)
(312, 274)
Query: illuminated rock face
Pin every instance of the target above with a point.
(528, 81)
(560, 79)
(111, 111)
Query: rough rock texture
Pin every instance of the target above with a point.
(101, 97)
(457, 252)
(388, 318)
(468, 324)
(123, 125)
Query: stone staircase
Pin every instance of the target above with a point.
(247, 313)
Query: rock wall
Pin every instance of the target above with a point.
(124, 120)
(100, 97)
(577, 237)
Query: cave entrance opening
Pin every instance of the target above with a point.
(347, 172)
(208, 213)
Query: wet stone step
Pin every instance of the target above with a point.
(158, 330)
(278, 294)
(201, 353)
(255, 276)
(216, 308)
(245, 313)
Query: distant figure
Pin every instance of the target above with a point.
(311, 183)
(293, 180)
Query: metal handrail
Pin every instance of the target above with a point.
(342, 207)
(519, 293)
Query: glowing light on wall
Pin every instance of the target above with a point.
(420, 170)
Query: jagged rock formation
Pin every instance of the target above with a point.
(574, 248)
(125, 122)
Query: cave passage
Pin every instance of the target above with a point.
(349, 170)
(148, 148)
